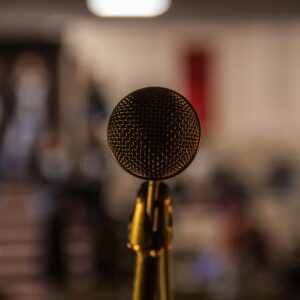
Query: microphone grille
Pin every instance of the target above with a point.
(154, 133)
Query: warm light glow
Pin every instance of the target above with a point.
(128, 8)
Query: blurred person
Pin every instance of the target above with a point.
(278, 199)
(282, 199)
(248, 274)
(113, 261)
(30, 84)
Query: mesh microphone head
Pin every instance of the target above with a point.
(154, 133)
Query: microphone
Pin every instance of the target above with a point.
(154, 133)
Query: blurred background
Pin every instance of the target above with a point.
(64, 202)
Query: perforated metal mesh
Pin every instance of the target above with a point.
(154, 133)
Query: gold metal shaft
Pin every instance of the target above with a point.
(145, 279)
(165, 276)
(149, 235)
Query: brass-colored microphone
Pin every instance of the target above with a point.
(154, 134)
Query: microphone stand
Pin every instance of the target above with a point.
(149, 235)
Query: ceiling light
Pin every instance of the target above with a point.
(128, 8)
